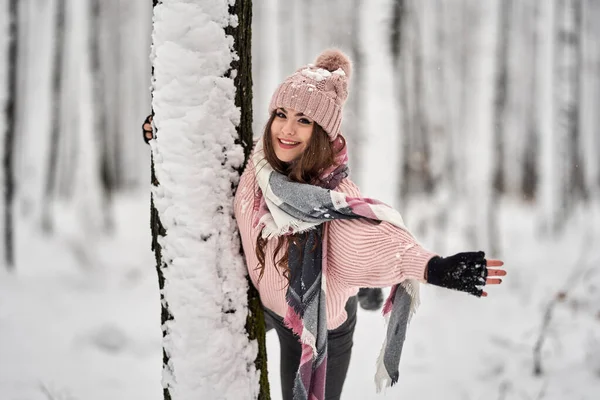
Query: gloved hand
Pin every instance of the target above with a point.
(370, 298)
(147, 129)
(466, 272)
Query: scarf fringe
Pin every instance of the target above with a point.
(382, 378)
(293, 321)
(270, 230)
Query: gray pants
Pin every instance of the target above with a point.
(339, 350)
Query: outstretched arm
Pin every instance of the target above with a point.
(362, 253)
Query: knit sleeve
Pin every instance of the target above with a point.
(363, 253)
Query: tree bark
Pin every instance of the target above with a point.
(242, 34)
(10, 135)
(158, 230)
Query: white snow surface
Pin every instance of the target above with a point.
(92, 332)
(196, 161)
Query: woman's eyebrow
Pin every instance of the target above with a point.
(297, 114)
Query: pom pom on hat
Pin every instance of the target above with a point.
(334, 59)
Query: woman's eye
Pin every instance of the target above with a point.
(279, 114)
(305, 121)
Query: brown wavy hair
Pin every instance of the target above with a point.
(318, 156)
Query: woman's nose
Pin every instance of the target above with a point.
(288, 128)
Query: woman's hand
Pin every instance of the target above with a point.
(466, 272)
(147, 129)
(494, 272)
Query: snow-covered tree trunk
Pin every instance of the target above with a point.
(10, 134)
(204, 287)
(241, 72)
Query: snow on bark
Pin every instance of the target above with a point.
(196, 158)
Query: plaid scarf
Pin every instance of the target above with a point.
(284, 207)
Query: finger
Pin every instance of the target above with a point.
(496, 272)
(492, 281)
(147, 127)
(148, 135)
(483, 294)
(494, 263)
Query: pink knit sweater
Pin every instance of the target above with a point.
(360, 253)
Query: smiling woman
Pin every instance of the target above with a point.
(311, 241)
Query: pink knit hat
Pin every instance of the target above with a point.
(318, 90)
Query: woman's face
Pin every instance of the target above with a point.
(290, 133)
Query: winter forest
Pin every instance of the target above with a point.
(121, 275)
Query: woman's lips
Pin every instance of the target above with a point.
(288, 145)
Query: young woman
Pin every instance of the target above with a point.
(311, 241)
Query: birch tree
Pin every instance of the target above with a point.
(197, 159)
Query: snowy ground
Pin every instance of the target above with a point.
(87, 332)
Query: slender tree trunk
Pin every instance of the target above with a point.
(568, 85)
(108, 184)
(399, 51)
(501, 101)
(421, 167)
(353, 126)
(578, 189)
(10, 134)
(56, 117)
(500, 104)
(530, 158)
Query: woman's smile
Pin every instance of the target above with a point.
(287, 144)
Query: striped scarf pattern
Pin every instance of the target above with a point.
(284, 207)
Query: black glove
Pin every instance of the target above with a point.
(466, 272)
(145, 131)
(370, 298)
